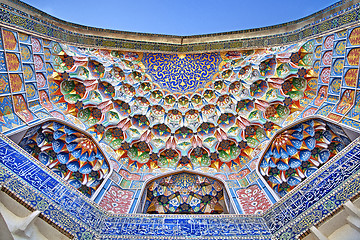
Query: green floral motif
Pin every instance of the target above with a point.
(87, 236)
(42, 205)
(329, 205)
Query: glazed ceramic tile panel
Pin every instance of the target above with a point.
(117, 200)
(337, 63)
(181, 108)
(295, 154)
(70, 154)
(9, 59)
(147, 121)
(24, 80)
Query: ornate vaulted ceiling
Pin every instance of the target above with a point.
(212, 128)
(159, 112)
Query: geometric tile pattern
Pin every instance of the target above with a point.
(151, 117)
(233, 108)
(25, 64)
(337, 63)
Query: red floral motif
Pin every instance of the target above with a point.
(15, 83)
(114, 165)
(21, 108)
(117, 200)
(253, 200)
(41, 80)
(36, 45)
(354, 56)
(346, 101)
(325, 75)
(354, 37)
(146, 177)
(39, 63)
(327, 58)
(321, 96)
(254, 163)
(239, 175)
(329, 42)
(221, 176)
(128, 176)
(351, 77)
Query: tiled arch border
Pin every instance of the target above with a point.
(23, 132)
(283, 129)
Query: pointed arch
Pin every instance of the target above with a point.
(298, 150)
(185, 192)
(69, 152)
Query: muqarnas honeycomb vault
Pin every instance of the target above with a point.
(112, 137)
(69, 153)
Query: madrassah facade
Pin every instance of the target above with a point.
(251, 134)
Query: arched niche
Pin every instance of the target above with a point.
(69, 152)
(297, 151)
(185, 192)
